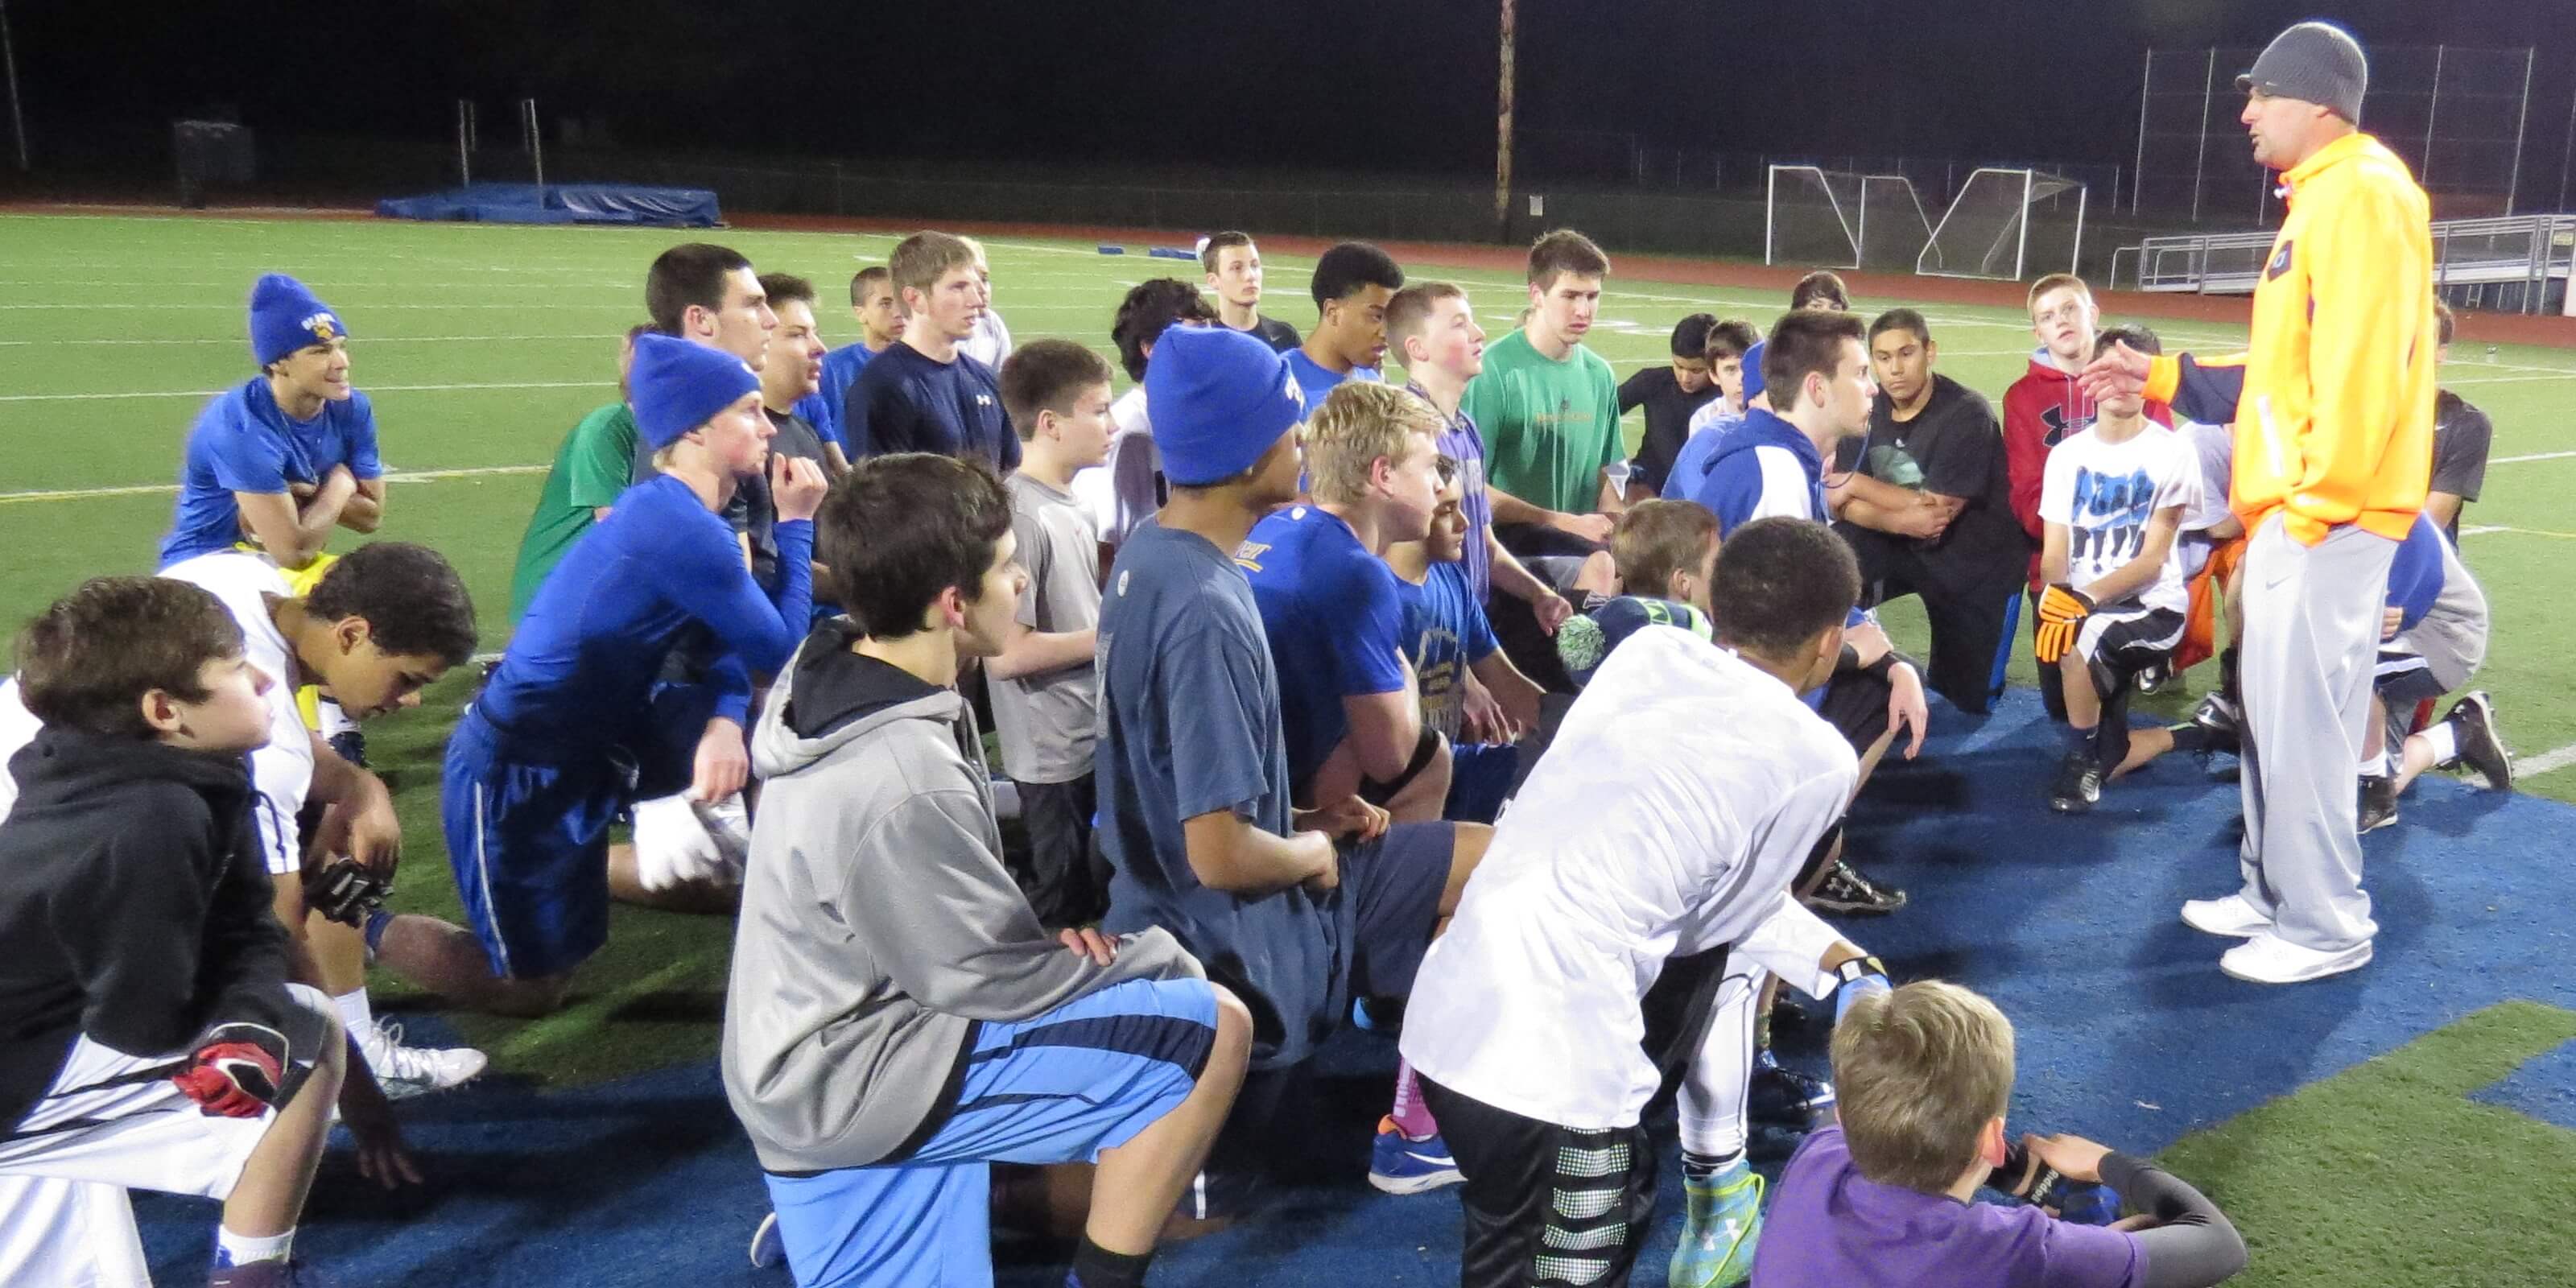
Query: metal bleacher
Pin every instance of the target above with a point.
(2513, 263)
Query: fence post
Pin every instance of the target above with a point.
(2521, 119)
(2200, 159)
(2432, 113)
(17, 115)
(2146, 87)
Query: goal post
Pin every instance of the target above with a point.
(1841, 219)
(1986, 232)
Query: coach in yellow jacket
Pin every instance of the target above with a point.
(2332, 404)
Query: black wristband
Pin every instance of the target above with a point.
(1848, 661)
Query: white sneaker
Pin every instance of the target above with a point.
(406, 1071)
(767, 1248)
(2269, 959)
(2231, 916)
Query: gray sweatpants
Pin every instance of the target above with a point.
(2311, 641)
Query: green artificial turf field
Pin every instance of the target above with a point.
(482, 345)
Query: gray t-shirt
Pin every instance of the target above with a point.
(1049, 722)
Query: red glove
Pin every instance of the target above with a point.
(235, 1074)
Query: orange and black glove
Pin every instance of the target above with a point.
(2062, 610)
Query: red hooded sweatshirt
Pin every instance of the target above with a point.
(2041, 410)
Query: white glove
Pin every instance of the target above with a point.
(672, 845)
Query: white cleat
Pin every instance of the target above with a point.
(406, 1071)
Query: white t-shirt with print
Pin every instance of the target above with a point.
(2106, 492)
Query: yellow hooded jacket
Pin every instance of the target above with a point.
(2332, 401)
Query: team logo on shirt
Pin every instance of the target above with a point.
(2060, 424)
(325, 328)
(983, 400)
(1248, 555)
(2280, 262)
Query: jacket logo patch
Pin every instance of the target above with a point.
(2280, 262)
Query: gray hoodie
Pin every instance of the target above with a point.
(879, 928)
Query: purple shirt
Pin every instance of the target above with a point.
(1831, 1227)
(1460, 442)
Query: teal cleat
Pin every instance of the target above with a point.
(1722, 1222)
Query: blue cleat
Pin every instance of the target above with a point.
(1399, 1164)
(1783, 1096)
(1721, 1223)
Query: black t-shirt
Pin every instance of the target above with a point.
(907, 401)
(2461, 436)
(1953, 446)
(1668, 413)
(1280, 336)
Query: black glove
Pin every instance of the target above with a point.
(345, 891)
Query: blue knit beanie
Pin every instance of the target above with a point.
(285, 317)
(677, 386)
(1217, 398)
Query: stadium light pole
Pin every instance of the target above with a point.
(1503, 133)
(17, 116)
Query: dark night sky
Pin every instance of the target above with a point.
(1403, 85)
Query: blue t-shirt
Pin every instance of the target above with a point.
(823, 406)
(1317, 382)
(1445, 632)
(593, 642)
(245, 442)
(1189, 725)
(1460, 442)
(2415, 573)
(905, 401)
(1831, 1227)
(1335, 622)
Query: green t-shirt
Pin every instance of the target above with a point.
(1549, 426)
(591, 469)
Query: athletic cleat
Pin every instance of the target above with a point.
(1775, 1093)
(1399, 1164)
(2154, 676)
(1721, 1224)
(407, 1071)
(2472, 718)
(2378, 803)
(2078, 785)
(2269, 959)
(2223, 722)
(1846, 891)
(2230, 916)
(767, 1248)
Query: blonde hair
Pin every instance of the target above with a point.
(2053, 282)
(1658, 538)
(1918, 1073)
(919, 261)
(1359, 422)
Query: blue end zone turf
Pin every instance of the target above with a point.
(560, 203)
(2128, 1034)
(1171, 252)
(1113, 250)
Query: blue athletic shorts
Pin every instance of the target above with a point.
(1058, 1088)
(1391, 887)
(527, 832)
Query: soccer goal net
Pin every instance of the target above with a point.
(1842, 219)
(1989, 229)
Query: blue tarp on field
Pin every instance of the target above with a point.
(559, 203)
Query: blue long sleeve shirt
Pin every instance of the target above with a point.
(594, 640)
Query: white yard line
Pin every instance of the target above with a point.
(372, 389)
(2535, 456)
(2545, 763)
(164, 489)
